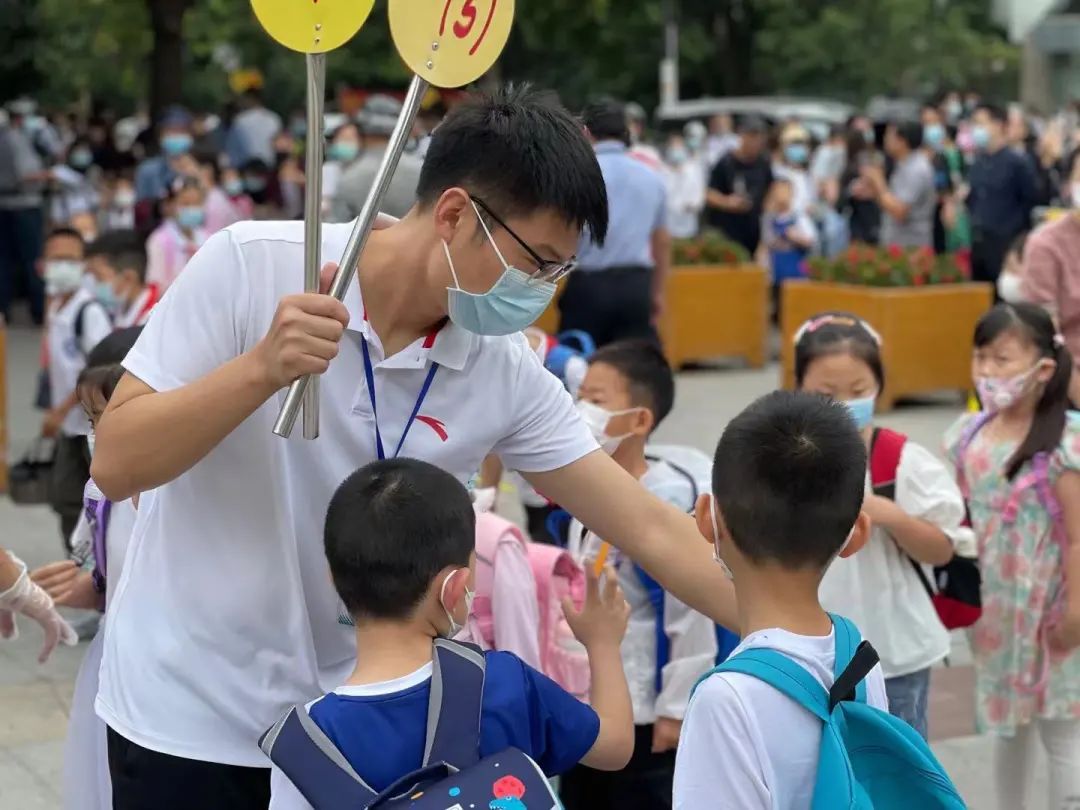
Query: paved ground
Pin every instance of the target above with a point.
(34, 700)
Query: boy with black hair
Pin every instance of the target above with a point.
(117, 261)
(424, 358)
(400, 538)
(76, 323)
(627, 392)
(788, 485)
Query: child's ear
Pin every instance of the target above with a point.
(644, 422)
(701, 515)
(860, 534)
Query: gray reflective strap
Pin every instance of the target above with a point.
(318, 738)
(466, 653)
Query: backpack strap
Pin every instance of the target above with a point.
(977, 423)
(886, 449)
(783, 674)
(684, 473)
(313, 763)
(455, 704)
(848, 642)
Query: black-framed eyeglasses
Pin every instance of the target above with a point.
(546, 271)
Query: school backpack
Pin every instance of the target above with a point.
(868, 759)
(565, 355)
(957, 588)
(452, 776)
(555, 575)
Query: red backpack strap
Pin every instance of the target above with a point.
(886, 448)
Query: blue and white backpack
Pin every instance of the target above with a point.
(869, 759)
(452, 777)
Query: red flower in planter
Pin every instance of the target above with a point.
(918, 279)
(896, 252)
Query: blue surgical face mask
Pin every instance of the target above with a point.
(511, 304)
(177, 143)
(980, 136)
(106, 296)
(934, 135)
(861, 410)
(677, 155)
(344, 151)
(797, 153)
(81, 159)
(234, 188)
(255, 185)
(190, 217)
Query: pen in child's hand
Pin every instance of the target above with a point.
(601, 559)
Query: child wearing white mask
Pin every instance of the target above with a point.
(916, 509)
(627, 391)
(76, 323)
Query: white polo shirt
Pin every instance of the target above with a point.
(225, 616)
(67, 353)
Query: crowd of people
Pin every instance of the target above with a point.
(204, 540)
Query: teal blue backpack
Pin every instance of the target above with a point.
(869, 759)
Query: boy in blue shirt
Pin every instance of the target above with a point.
(399, 539)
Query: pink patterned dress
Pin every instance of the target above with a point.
(1017, 676)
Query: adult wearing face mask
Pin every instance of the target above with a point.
(74, 192)
(686, 189)
(172, 244)
(77, 321)
(792, 166)
(376, 121)
(155, 174)
(1002, 194)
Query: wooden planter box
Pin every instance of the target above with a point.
(926, 331)
(712, 311)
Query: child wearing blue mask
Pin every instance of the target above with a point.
(916, 508)
(180, 234)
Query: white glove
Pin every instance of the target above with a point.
(484, 498)
(31, 601)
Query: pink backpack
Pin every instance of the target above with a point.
(555, 575)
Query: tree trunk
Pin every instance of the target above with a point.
(167, 56)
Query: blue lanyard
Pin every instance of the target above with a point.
(370, 375)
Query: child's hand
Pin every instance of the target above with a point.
(882, 511)
(603, 618)
(665, 735)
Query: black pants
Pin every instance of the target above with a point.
(146, 780)
(644, 784)
(988, 252)
(21, 237)
(610, 305)
(71, 471)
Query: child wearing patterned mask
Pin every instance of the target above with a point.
(628, 390)
(917, 511)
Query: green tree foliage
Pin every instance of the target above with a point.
(64, 51)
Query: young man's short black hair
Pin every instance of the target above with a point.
(788, 478)
(646, 371)
(391, 527)
(123, 250)
(605, 118)
(114, 347)
(65, 231)
(520, 152)
(910, 132)
(995, 111)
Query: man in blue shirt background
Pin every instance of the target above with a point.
(1002, 194)
(617, 291)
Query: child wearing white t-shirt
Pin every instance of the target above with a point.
(788, 480)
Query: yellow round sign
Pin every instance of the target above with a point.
(450, 43)
(312, 26)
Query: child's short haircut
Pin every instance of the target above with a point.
(646, 371)
(838, 333)
(103, 379)
(114, 347)
(65, 231)
(391, 527)
(123, 250)
(788, 478)
(520, 152)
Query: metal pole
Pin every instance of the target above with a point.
(360, 232)
(313, 167)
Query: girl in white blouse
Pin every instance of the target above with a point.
(917, 518)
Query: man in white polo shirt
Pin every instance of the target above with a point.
(225, 615)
